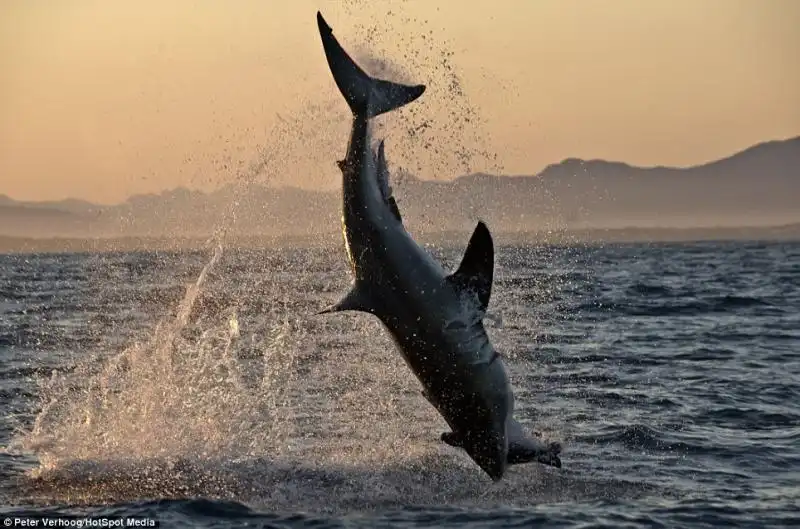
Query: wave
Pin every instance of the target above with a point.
(748, 418)
(640, 437)
(644, 289)
(696, 307)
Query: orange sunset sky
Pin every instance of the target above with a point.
(101, 99)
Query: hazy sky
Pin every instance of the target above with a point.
(102, 99)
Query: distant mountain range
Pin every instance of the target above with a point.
(759, 186)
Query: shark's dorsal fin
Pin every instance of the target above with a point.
(383, 181)
(356, 299)
(476, 271)
(382, 171)
(394, 209)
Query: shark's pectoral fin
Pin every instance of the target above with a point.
(524, 448)
(518, 452)
(476, 271)
(356, 299)
(546, 454)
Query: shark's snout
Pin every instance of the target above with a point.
(489, 449)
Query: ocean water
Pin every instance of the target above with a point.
(200, 389)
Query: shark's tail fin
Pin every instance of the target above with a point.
(366, 95)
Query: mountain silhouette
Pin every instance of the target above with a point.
(759, 186)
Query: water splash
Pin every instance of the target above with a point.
(180, 393)
(442, 135)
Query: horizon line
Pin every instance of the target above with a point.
(415, 177)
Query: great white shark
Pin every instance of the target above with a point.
(435, 318)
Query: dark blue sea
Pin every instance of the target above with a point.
(200, 389)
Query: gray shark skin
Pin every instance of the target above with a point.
(435, 318)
